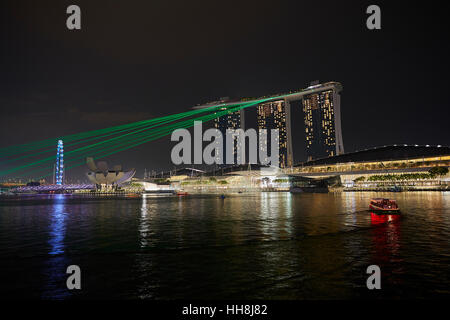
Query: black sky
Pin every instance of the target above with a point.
(134, 60)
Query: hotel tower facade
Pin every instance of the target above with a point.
(231, 120)
(322, 118)
(277, 115)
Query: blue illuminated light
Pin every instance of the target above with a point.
(59, 174)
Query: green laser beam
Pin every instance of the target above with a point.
(156, 134)
(48, 142)
(162, 133)
(95, 144)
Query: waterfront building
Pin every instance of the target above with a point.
(322, 117)
(106, 178)
(405, 167)
(277, 115)
(379, 160)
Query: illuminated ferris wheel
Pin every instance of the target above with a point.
(59, 166)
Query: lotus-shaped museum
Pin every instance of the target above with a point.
(101, 175)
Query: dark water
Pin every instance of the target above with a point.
(262, 245)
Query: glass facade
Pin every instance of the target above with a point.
(275, 115)
(234, 121)
(322, 130)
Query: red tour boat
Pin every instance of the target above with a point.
(381, 205)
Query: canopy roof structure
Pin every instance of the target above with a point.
(385, 153)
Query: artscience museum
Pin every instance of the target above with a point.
(105, 178)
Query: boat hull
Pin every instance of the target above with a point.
(378, 210)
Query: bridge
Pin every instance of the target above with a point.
(53, 188)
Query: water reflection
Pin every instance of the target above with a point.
(55, 267)
(57, 225)
(144, 226)
(385, 236)
(349, 209)
(275, 215)
(143, 264)
(377, 219)
(264, 245)
(350, 201)
(147, 225)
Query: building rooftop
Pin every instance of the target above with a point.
(292, 95)
(385, 153)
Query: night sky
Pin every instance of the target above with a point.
(134, 60)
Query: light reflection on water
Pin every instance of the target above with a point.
(54, 284)
(57, 226)
(259, 245)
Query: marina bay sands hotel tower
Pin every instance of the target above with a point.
(322, 118)
(321, 104)
(277, 115)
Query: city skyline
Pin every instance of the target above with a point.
(320, 104)
(57, 82)
(272, 113)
